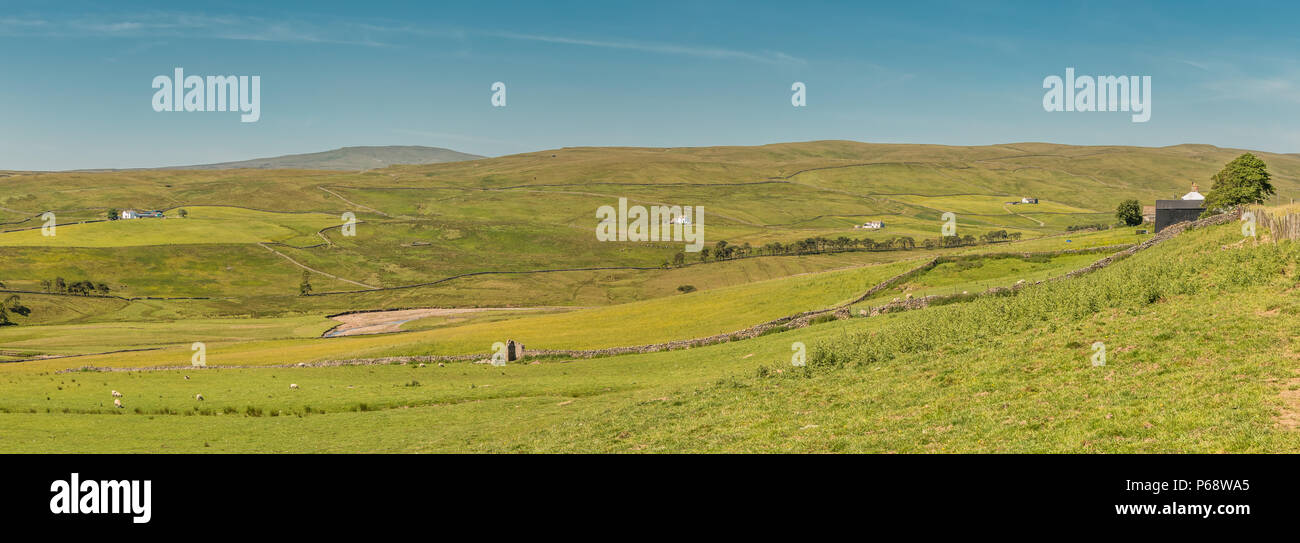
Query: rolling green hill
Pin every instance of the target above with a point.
(999, 374)
(518, 232)
(423, 224)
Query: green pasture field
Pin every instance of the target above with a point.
(82, 338)
(979, 275)
(1198, 328)
(684, 316)
(204, 225)
(1026, 383)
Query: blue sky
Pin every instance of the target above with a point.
(75, 79)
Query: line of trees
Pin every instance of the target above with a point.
(79, 288)
(722, 250)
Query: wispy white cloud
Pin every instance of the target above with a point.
(1284, 88)
(770, 57)
(368, 34)
(171, 25)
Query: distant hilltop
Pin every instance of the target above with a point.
(346, 158)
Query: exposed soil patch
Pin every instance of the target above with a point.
(383, 322)
(1290, 417)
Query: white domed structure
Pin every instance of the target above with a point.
(1194, 194)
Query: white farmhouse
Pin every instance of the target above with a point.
(137, 214)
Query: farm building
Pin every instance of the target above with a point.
(137, 214)
(1028, 200)
(871, 225)
(1187, 208)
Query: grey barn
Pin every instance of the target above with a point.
(1169, 212)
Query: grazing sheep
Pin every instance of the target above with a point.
(293, 385)
(198, 397)
(118, 403)
(421, 365)
(187, 378)
(117, 394)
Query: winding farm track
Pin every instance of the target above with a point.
(314, 270)
(353, 204)
(1040, 223)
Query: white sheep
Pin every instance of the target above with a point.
(117, 394)
(198, 397)
(118, 403)
(293, 386)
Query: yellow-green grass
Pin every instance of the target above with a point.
(979, 275)
(248, 272)
(250, 281)
(70, 339)
(1199, 371)
(536, 211)
(734, 295)
(205, 225)
(1069, 241)
(684, 316)
(988, 205)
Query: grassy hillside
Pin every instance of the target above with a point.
(1199, 337)
(203, 225)
(1196, 328)
(536, 211)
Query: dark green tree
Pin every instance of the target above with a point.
(304, 288)
(1129, 213)
(12, 304)
(1245, 180)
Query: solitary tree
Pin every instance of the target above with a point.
(679, 259)
(1129, 213)
(1245, 180)
(113, 214)
(183, 213)
(14, 305)
(304, 288)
